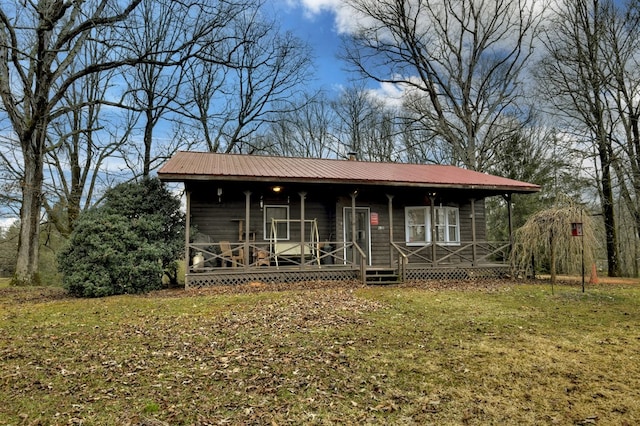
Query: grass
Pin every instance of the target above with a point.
(488, 354)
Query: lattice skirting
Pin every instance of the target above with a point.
(277, 276)
(459, 273)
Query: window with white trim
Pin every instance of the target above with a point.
(281, 215)
(418, 225)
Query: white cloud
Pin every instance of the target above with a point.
(390, 94)
(314, 7)
(344, 16)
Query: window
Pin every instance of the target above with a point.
(418, 225)
(281, 230)
(417, 220)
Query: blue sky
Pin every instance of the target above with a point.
(321, 23)
(315, 23)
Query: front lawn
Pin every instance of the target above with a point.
(486, 353)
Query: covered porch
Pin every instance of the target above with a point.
(212, 264)
(246, 260)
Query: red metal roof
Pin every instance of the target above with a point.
(185, 166)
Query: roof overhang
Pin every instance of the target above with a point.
(208, 167)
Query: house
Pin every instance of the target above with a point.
(277, 219)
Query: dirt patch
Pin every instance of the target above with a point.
(32, 294)
(255, 287)
(576, 279)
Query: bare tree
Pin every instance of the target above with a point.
(10, 168)
(460, 61)
(381, 142)
(168, 34)
(533, 154)
(575, 79)
(353, 110)
(38, 43)
(366, 125)
(237, 85)
(621, 40)
(80, 142)
(306, 130)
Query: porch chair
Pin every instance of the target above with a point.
(262, 257)
(228, 256)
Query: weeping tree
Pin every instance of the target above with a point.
(551, 236)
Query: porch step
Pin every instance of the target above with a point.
(382, 276)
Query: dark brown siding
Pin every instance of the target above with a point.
(217, 218)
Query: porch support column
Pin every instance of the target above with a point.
(390, 198)
(303, 195)
(187, 236)
(432, 198)
(247, 217)
(354, 194)
(507, 198)
(473, 233)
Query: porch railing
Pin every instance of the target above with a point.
(208, 256)
(471, 253)
(403, 260)
(242, 256)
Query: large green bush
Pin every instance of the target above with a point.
(125, 244)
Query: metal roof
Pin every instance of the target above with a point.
(190, 166)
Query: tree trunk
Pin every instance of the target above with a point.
(148, 142)
(609, 214)
(28, 243)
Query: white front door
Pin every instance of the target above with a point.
(363, 231)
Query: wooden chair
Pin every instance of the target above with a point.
(238, 259)
(226, 252)
(262, 257)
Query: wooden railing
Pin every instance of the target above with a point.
(206, 257)
(363, 262)
(472, 253)
(403, 260)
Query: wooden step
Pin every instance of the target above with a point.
(380, 276)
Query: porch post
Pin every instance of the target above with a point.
(507, 198)
(473, 233)
(187, 236)
(303, 195)
(390, 198)
(432, 198)
(247, 216)
(354, 194)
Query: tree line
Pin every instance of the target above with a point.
(96, 92)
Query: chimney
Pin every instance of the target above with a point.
(353, 156)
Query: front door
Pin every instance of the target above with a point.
(363, 231)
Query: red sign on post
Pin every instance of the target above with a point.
(576, 229)
(374, 219)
